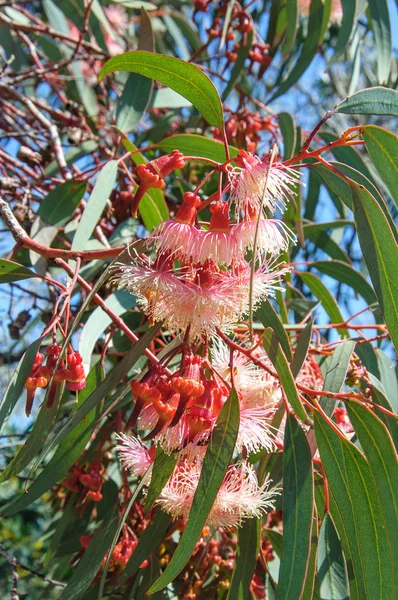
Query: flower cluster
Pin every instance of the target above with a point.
(86, 481)
(71, 371)
(199, 280)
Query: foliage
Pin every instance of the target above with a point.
(198, 281)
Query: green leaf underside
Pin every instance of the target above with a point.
(196, 145)
(298, 501)
(335, 374)
(58, 206)
(182, 77)
(331, 568)
(270, 318)
(215, 464)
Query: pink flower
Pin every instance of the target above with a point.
(117, 17)
(256, 184)
(239, 497)
(134, 455)
(272, 237)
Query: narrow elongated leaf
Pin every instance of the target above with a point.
(150, 539)
(67, 453)
(42, 427)
(388, 377)
(298, 503)
(292, 17)
(215, 464)
(95, 205)
(137, 91)
(278, 359)
(348, 275)
(162, 469)
(289, 134)
(310, 584)
(391, 422)
(381, 254)
(17, 382)
(321, 292)
(371, 101)
(308, 50)
(335, 371)
(315, 233)
(91, 560)
(12, 271)
(246, 559)
(196, 145)
(270, 318)
(382, 457)
(331, 567)
(382, 146)
(346, 29)
(58, 206)
(185, 78)
(382, 31)
(355, 510)
(301, 350)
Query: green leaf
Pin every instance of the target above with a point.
(196, 145)
(346, 29)
(67, 453)
(91, 560)
(382, 457)
(42, 427)
(298, 503)
(321, 292)
(17, 382)
(71, 156)
(380, 252)
(331, 568)
(308, 51)
(133, 102)
(278, 359)
(388, 377)
(342, 188)
(182, 77)
(356, 512)
(95, 205)
(12, 271)
(120, 302)
(301, 351)
(378, 397)
(382, 146)
(236, 71)
(150, 539)
(292, 19)
(58, 206)
(215, 464)
(289, 134)
(162, 469)
(380, 23)
(310, 584)
(334, 371)
(270, 318)
(315, 232)
(249, 537)
(348, 275)
(371, 101)
(347, 155)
